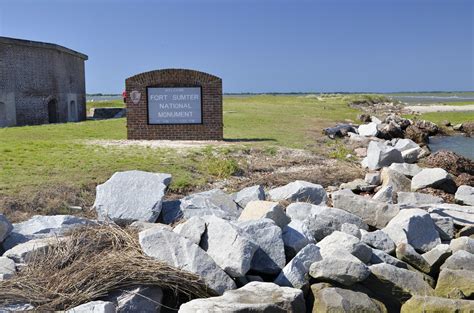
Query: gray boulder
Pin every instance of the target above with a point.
(295, 273)
(341, 267)
(344, 300)
(380, 155)
(396, 180)
(294, 238)
(342, 241)
(372, 212)
(322, 224)
(373, 178)
(357, 185)
(368, 130)
(460, 260)
(131, 196)
(27, 251)
(253, 297)
(407, 254)
(457, 284)
(436, 304)
(465, 195)
(5, 227)
(213, 202)
(378, 256)
(255, 210)
(7, 268)
(301, 210)
(379, 240)
(406, 169)
(444, 225)
(394, 285)
(270, 255)
(462, 215)
(228, 246)
(414, 154)
(299, 190)
(248, 194)
(351, 229)
(436, 257)
(95, 307)
(137, 299)
(175, 250)
(462, 243)
(170, 211)
(40, 226)
(405, 144)
(433, 177)
(193, 229)
(415, 227)
(385, 194)
(416, 198)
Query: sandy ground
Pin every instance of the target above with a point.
(440, 108)
(156, 144)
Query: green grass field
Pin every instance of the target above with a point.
(43, 168)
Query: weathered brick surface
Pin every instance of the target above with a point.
(33, 73)
(137, 114)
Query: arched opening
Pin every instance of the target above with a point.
(72, 111)
(53, 111)
(3, 114)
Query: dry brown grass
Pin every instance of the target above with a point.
(89, 264)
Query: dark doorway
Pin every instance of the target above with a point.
(53, 111)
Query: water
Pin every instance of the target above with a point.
(103, 98)
(460, 144)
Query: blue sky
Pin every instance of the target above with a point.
(262, 46)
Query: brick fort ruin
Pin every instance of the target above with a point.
(40, 83)
(174, 104)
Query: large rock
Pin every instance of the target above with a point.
(213, 202)
(465, 195)
(444, 225)
(406, 169)
(175, 250)
(94, 307)
(270, 256)
(248, 194)
(385, 194)
(380, 155)
(433, 177)
(462, 243)
(462, 215)
(373, 178)
(253, 297)
(144, 299)
(368, 130)
(301, 210)
(456, 284)
(405, 144)
(436, 304)
(394, 285)
(131, 196)
(436, 257)
(40, 226)
(255, 210)
(295, 273)
(7, 268)
(416, 198)
(342, 241)
(340, 267)
(460, 260)
(358, 185)
(193, 229)
(294, 238)
(5, 227)
(396, 180)
(407, 254)
(415, 154)
(27, 251)
(378, 256)
(228, 246)
(319, 225)
(379, 240)
(415, 227)
(299, 190)
(372, 212)
(343, 300)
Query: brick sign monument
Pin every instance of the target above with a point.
(174, 104)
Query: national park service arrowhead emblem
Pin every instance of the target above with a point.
(135, 96)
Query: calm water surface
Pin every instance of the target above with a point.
(460, 144)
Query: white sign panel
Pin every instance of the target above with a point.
(173, 105)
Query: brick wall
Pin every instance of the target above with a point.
(137, 114)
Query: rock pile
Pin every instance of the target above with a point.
(359, 254)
